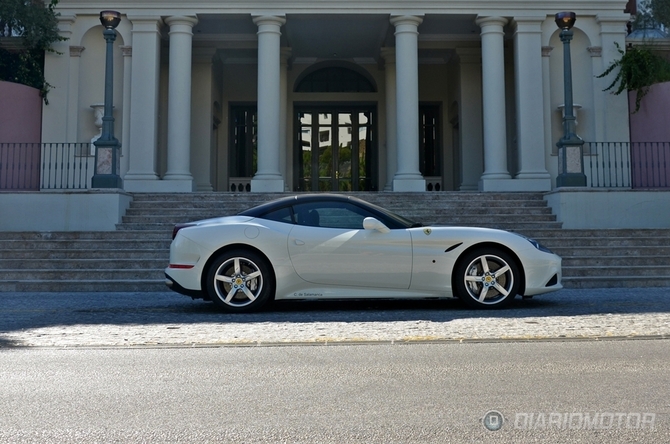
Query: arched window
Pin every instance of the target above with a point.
(335, 79)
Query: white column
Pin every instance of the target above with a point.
(202, 118)
(268, 177)
(73, 96)
(391, 117)
(493, 88)
(57, 70)
(179, 103)
(549, 144)
(141, 175)
(127, 52)
(407, 177)
(530, 105)
(283, 115)
(616, 119)
(470, 118)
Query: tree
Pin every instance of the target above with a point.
(34, 24)
(660, 10)
(640, 66)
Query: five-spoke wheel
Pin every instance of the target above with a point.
(487, 278)
(240, 280)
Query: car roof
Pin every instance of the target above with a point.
(276, 204)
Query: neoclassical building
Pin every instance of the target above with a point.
(337, 95)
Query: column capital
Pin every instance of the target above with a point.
(75, 51)
(546, 51)
(181, 20)
(406, 23)
(126, 50)
(595, 51)
(528, 24)
(269, 20)
(490, 22)
(145, 23)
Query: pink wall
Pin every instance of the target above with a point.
(650, 138)
(20, 137)
(652, 122)
(20, 113)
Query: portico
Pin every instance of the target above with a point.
(483, 76)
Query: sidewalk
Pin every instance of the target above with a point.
(169, 319)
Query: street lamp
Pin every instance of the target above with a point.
(107, 146)
(570, 163)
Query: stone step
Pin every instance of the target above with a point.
(622, 281)
(77, 263)
(133, 257)
(614, 261)
(69, 254)
(81, 285)
(70, 274)
(87, 244)
(616, 271)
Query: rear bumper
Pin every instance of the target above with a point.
(173, 285)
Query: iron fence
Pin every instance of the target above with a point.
(638, 165)
(45, 166)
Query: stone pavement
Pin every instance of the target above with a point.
(171, 320)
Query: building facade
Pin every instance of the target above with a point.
(337, 95)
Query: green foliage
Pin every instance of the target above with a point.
(638, 69)
(35, 23)
(660, 10)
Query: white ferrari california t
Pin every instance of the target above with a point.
(325, 246)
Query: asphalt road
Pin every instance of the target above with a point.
(575, 391)
(169, 319)
(572, 366)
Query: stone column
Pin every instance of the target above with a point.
(283, 115)
(73, 98)
(407, 177)
(268, 178)
(530, 105)
(615, 125)
(179, 103)
(391, 117)
(493, 88)
(56, 120)
(141, 175)
(549, 143)
(470, 116)
(202, 118)
(127, 52)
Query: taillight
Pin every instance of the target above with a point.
(178, 227)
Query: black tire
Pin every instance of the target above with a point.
(240, 281)
(486, 278)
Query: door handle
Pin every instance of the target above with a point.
(299, 242)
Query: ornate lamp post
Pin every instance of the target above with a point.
(570, 156)
(107, 146)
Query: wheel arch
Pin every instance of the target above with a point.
(230, 247)
(506, 249)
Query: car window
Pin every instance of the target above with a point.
(330, 215)
(280, 215)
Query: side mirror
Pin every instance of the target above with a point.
(370, 223)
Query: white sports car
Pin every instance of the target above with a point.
(321, 246)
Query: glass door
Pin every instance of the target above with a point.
(334, 149)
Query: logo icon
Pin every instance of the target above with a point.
(493, 420)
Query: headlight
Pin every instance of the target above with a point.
(536, 244)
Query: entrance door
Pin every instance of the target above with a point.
(335, 149)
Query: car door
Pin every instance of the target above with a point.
(329, 246)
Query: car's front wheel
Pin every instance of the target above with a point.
(240, 281)
(487, 278)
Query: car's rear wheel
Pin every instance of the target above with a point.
(240, 281)
(487, 278)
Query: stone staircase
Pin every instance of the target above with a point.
(132, 258)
